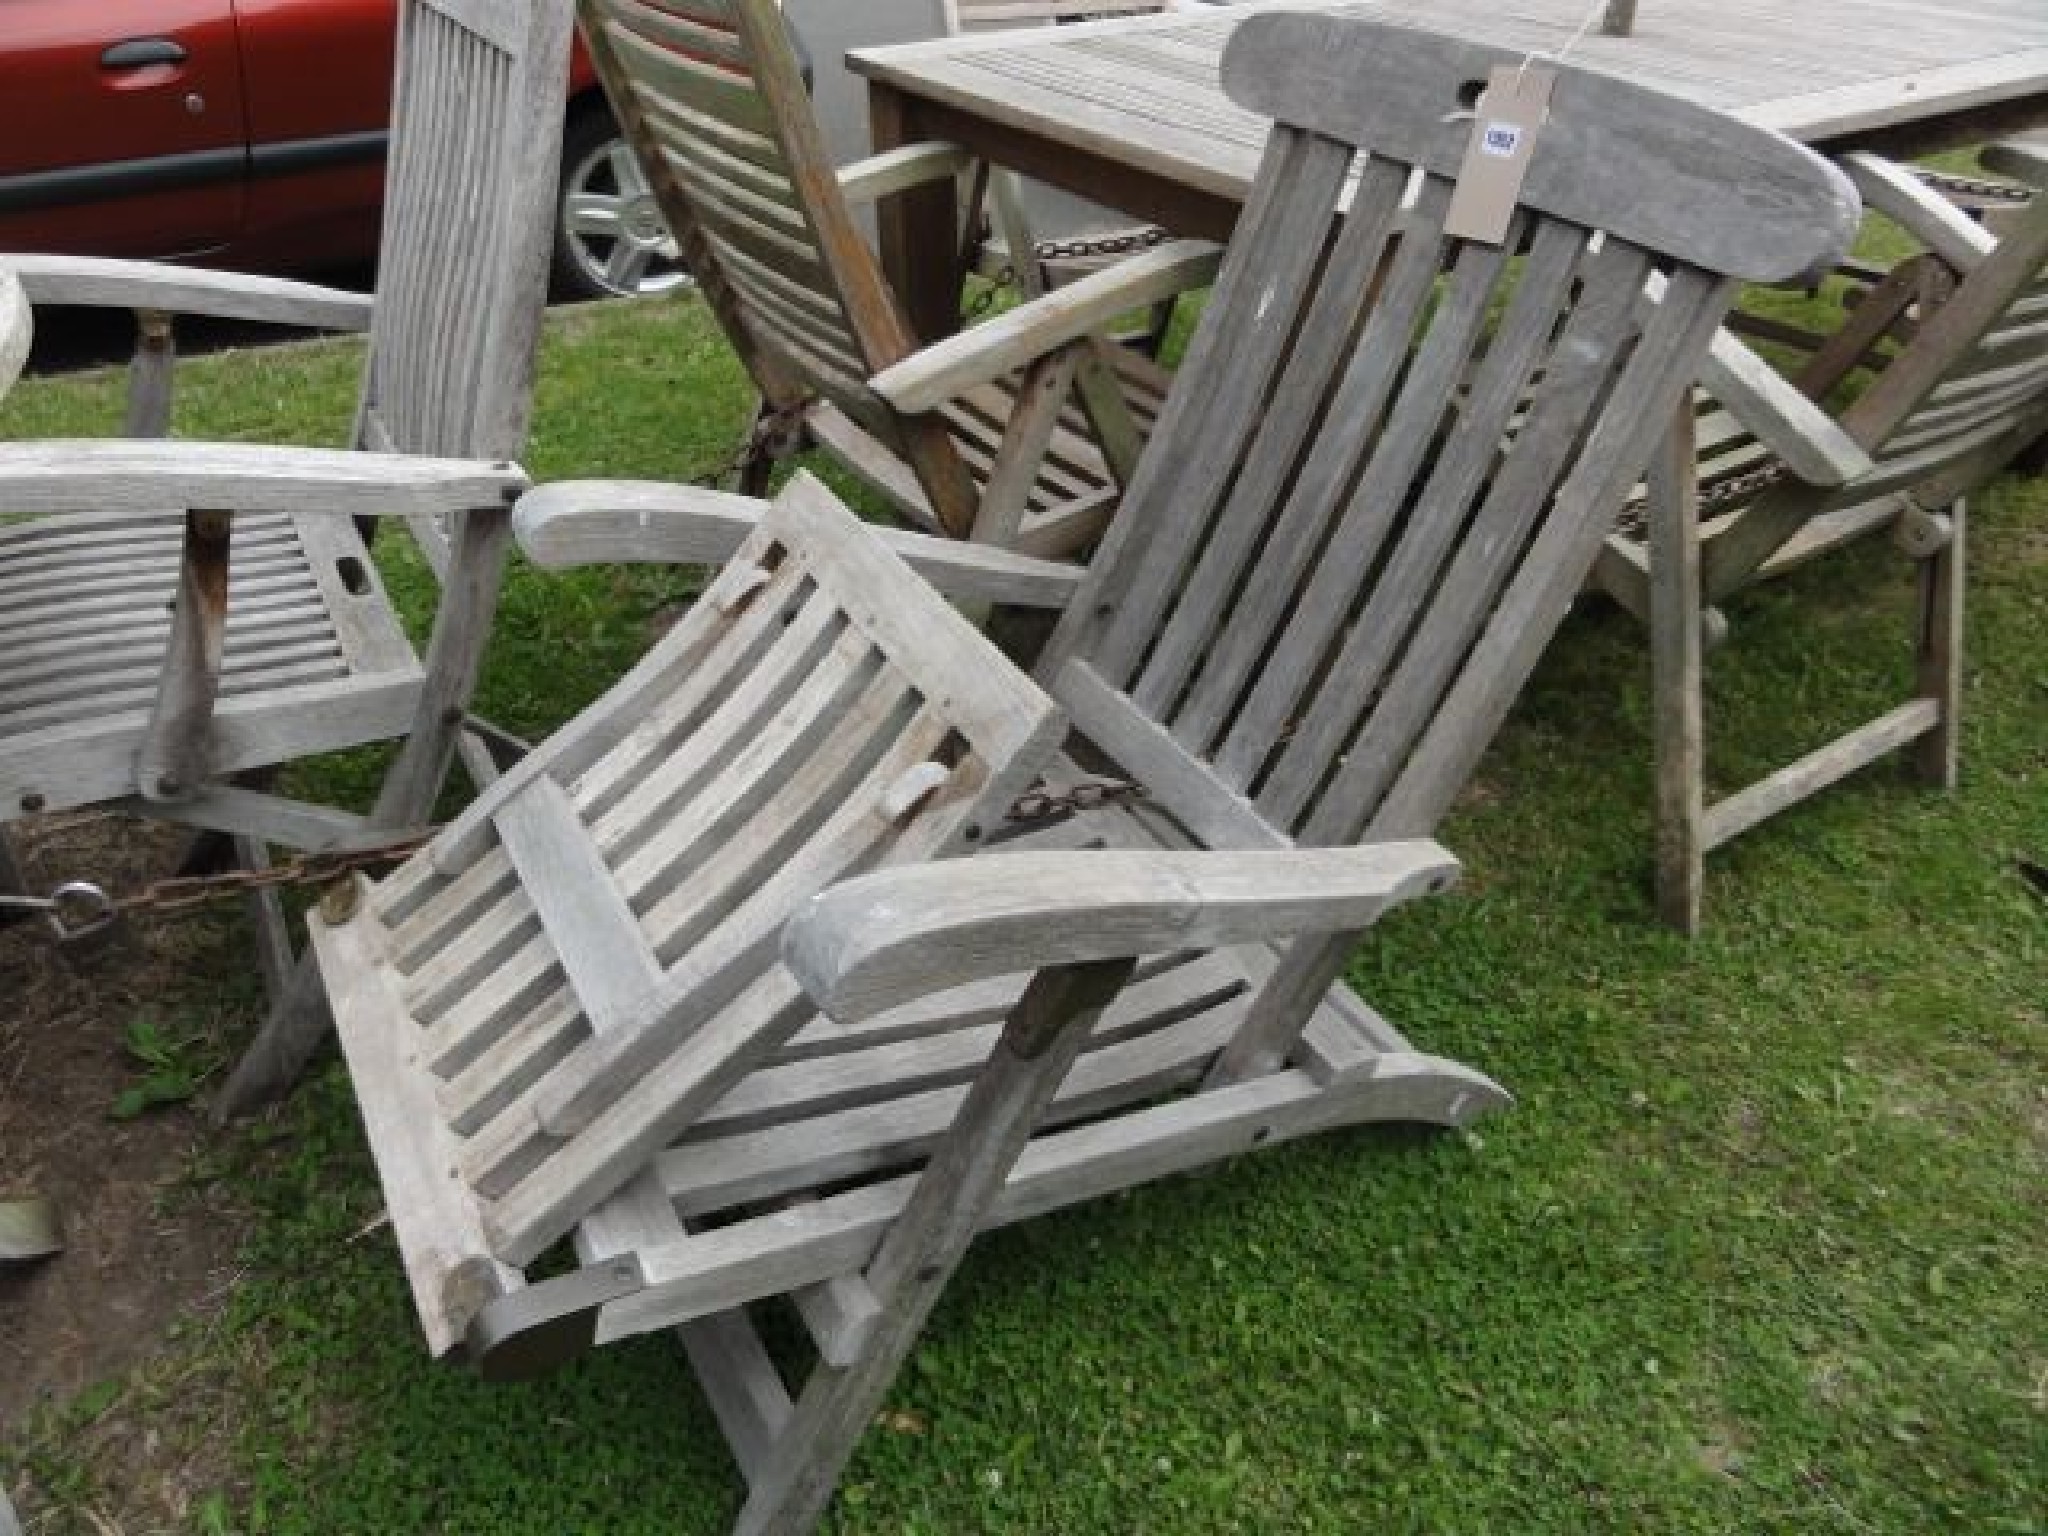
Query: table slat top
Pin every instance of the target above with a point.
(1823, 71)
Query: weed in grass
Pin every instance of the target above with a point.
(174, 1064)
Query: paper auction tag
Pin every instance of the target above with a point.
(1510, 114)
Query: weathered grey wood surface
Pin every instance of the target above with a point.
(138, 667)
(585, 960)
(1331, 573)
(593, 522)
(103, 283)
(1130, 112)
(1951, 407)
(710, 96)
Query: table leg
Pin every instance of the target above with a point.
(918, 229)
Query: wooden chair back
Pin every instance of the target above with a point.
(1335, 567)
(476, 128)
(1971, 387)
(711, 96)
(1951, 408)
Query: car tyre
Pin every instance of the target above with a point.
(610, 239)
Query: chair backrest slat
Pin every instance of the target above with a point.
(1405, 612)
(1976, 369)
(1238, 348)
(712, 99)
(1392, 454)
(476, 134)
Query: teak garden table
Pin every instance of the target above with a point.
(1129, 113)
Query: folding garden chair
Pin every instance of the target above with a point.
(651, 993)
(1774, 478)
(1032, 453)
(176, 617)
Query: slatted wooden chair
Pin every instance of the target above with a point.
(1033, 455)
(1785, 482)
(1327, 584)
(281, 642)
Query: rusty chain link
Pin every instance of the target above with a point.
(183, 893)
(1960, 185)
(78, 909)
(1077, 249)
(1043, 806)
(767, 427)
(1635, 518)
(1120, 244)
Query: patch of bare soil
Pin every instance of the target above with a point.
(150, 1241)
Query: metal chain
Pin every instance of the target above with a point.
(1976, 186)
(183, 893)
(767, 427)
(1076, 249)
(78, 907)
(1042, 806)
(1635, 519)
(1121, 244)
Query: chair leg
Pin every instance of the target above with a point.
(12, 881)
(274, 953)
(927, 1242)
(1677, 677)
(298, 1021)
(757, 469)
(1939, 654)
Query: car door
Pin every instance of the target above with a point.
(121, 126)
(319, 81)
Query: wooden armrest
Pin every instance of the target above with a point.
(1800, 433)
(945, 369)
(897, 170)
(102, 283)
(591, 522)
(152, 477)
(1894, 191)
(891, 937)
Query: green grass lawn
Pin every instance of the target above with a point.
(1763, 1246)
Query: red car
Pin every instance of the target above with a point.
(250, 134)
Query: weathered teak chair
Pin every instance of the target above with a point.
(1785, 482)
(281, 642)
(1032, 454)
(1325, 588)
